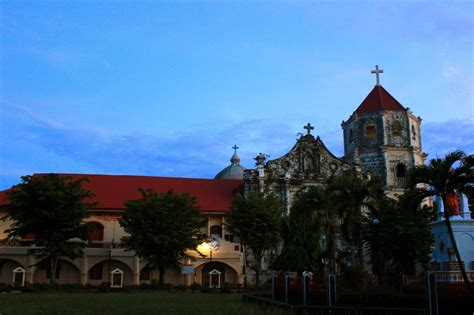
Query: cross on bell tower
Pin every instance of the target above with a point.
(308, 128)
(377, 72)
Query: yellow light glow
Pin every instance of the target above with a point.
(204, 248)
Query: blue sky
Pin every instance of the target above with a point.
(167, 88)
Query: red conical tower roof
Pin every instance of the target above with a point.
(377, 100)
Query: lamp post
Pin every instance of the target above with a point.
(323, 247)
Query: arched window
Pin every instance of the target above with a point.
(216, 230)
(413, 132)
(96, 231)
(396, 128)
(308, 163)
(351, 136)
(370, 131)
(400, 170)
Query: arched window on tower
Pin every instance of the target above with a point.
(400, 171)
(370, 131)
(396, 128)
(413, 132)
(351, 136)
(400, 175)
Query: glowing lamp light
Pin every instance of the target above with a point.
(204, 248)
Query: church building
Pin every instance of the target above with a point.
(381, 138)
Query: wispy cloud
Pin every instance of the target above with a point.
(39, 145)
(439, 138)
(450, 71)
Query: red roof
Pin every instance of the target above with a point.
(213, 195)
(377, 100)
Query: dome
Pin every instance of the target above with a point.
(234, 170)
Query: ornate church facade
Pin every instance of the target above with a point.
(381, 138)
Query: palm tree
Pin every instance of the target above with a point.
(443, 177)
(349, 194)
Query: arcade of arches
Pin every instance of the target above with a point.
(98, 270)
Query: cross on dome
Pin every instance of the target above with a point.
(377, 72)
(308, 128)
(235, 147)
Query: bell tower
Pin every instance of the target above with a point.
(382, 138)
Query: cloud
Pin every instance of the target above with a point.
(439, 138)
(31, 144)
(450, 71)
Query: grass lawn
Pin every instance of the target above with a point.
(128, 303)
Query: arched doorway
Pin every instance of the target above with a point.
(66, 272)
(173, 275)
(103, 272)
(216, 274)
(7, 268)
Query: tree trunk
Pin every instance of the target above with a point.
(244, 249)
(53, 265)
(331, 250)
(161, 279)
(467, 283)
(361, 254)
(258, 261)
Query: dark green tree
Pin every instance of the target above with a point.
(53, 209)
(301, 249)
(443, 177)
(161, 228)
(256, 220)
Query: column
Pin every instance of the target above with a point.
(188, 280)
(465, 212)
(208, 227)
(440, 209)
(136, 270)
(84, 270)
(223, 227)
(30, 268)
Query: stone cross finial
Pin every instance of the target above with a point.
(377, 72)
(235, 147)
(308, 128)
